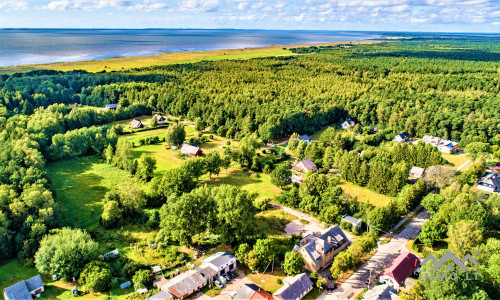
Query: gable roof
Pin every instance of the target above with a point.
(351, 220)
(331, 238)
(186, 283)
(159, 118)
(246, 291)
(308, 164)
(161, 295)
(383, 291)
(417, 171)
(402, 267)
(160, 282)
(112, 105)
(21, 290)
(135, 123)
(305, 137)
(348, 123)
(294, 287)
(189, 149)
(206, 271)
(219, 259)
(490, 179)
(403, 135)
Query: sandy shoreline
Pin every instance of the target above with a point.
(123, 63)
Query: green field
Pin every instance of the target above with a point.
(364, 194)
(456, 160)
(80, 184)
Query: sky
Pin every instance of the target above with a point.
(359, 15)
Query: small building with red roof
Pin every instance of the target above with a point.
(400, 268)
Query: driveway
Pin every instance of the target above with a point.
(368, 273)
(232, 285)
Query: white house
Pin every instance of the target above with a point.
(489, 183)
(222, 262)
(347, 124)
(402, 137)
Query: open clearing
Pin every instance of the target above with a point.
(456, 160)
(364, 194)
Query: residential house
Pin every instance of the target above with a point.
(348, 124)
(399, 269)
(294, 288)
(489, 183)
(297, 179)
(156, 270)
(25, 290)
(417, 172)
(251, 291)
(111, 106)
(319, 249)
(356, 223)
(222, 262)
(447, 146)
(191, 150)
(306, 165)
(430, 139)
(161, 119)
(161, 283)
(136, 123)
(381, 292)
(185, 284)
(161, 295)
(306, 138)
(402, 137)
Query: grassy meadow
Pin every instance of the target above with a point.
(364, 194)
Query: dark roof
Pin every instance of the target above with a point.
(404, 135)
(294, 287)
(162, 295)
(490, 179)
(113, 105)
(308, 164)
(206, 271)
(402, 267)
(246, 291)
(305, 137)
(219, 259)
(383, 291)
(337, 240)
(21, 290)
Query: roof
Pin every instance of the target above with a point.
(112, 105)
(159, 118)
(294, 287)
(219, 259)
(157, 269)
(189, 149)
(417, 171)
(490, 179)
(185, 283)
(403, 135)
(261, 295)
(125, 285)
(351, 220)
(348, 123)
(318, 245)
(246, 291)
(160, 282)
(21, 290)
(383, 291)
(135, 122)
(402, 267)
(308, 164)
(305, 137)
(496, 168)
(162, 295)
(206, 271)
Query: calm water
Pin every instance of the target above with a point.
(34, 46)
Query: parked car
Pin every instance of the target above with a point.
(222, 279)
(227, 277)
(217, 283)
(232, 274)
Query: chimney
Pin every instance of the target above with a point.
(329, 239)
(319, 247)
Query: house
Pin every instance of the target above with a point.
(306, 165)
(348, 124)
(296, 178)
(402, 137)
(222, 262)
(136, 123)
(75, 105)
(161, 119)
(430, 139)
(496, 169)
(306, 138)
(111, 106)
(381, 292)
(161, 295)
(185, 284)
(489, 183)
(191, 150)
(356, 223)
(447, 146)
(251, 291)
(207, 272)
(156, 270)
(417, 172)
(25, 290)
(160, 283)
(399, 269)
(319, 249)
(294, 288)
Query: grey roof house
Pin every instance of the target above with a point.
(186, 283)
(161, 295)
(381, 292)
(222, 262)
(111, 106)
(24, 290)
(306, 138)
(489, 183)
(356, 223)
(294, 288)
(402, 137)
(347, 124)
(306, 165)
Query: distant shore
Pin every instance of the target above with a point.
(124, 63)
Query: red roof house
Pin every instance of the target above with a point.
(191, 150)
(400, 269)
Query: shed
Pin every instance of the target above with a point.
(111, 106)
(191, 150)
(417, 172)
(125, 285)
(306, 138)
(157, 270)
(356, 223)
(136, 123)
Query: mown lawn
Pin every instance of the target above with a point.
(267, 281)
(364, 194)
(80, 185)
(273, 221)
(456, 160)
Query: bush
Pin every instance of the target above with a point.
(279, 281)
(267, 169)
(96, 276)
(262, 204)
(346, 225)
(142, 279)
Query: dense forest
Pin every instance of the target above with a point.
(444, 87)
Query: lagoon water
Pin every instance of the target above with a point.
(34, 46)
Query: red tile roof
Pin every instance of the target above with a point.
(402, 267)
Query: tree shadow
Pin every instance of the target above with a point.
(455, 54)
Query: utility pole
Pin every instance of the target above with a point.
(272, 267)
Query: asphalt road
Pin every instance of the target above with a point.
(367, 275)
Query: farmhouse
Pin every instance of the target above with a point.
(447, 146)
(417, 172)
(489, 183)
(381, 292)
(347, 124)
(399, 269)
(433, 140)
(307, 139)
(222, 262)
(319, 249)
(294, 288)
(251, 291)
(402, 137)
(161, 119)
(111, 106)
(186, 283)
(24, 290)
(356, 223)
(191, 150)
(136, 123)
(306, 165)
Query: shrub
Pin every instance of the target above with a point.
(96, 276)
(142, 278)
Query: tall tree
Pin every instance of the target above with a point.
(175, 134)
